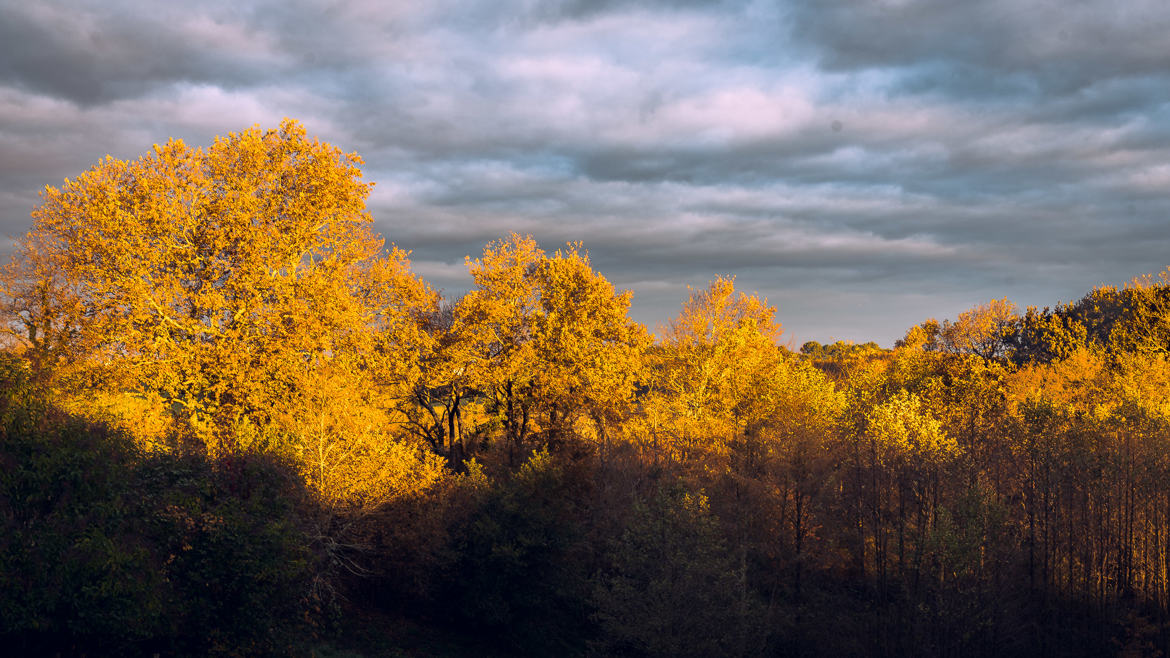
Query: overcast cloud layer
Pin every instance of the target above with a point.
(864, 165)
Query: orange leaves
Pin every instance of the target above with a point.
(714, 315)
(715, 369)
(546, 339)
(219, 275)
(718, 348)
(584, 334)
(903, 430)
(42, 309)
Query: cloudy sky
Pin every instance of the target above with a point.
(865, 164)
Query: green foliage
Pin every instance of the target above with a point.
(671, 587)
(1128, 320)
(518, 573)
(233, 541)
(1133, 319)
(72, 568)
(106, 551)
(841, 349)
(964, 548)
(22, 400)
(841, 358)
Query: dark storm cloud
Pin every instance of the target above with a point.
(111, 51)
(864, 165)
(1045, 46)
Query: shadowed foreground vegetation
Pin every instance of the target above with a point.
(233, 423)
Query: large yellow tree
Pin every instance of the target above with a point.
(712, 371)
(546, 343)
(229, 282)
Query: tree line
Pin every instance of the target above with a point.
(234, 421)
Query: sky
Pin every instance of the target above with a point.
(864, 165)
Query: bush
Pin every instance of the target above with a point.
(517, 572)
(106, 551)
(672, 588)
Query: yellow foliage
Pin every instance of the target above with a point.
(1074, 382)
(213, 277)
(1088, 381)
(902, 429)
(981, 330)
(801, 400)
(144, 418)
(42, 314)
(1144, 380)
(236, 295)
(713, 370)
(546, 340)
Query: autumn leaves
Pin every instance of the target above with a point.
(542, 344)
(238, 298)
(235, 299)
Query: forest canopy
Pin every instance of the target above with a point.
(221, 390)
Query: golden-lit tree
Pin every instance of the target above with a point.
(712, 370)
(546, 342)
(590, 350)
(219, 280)
(983, 331)
(1046, 335)
(339, 432)
(493, 335)
(43, 317)
(1134, 318)
(780, 481)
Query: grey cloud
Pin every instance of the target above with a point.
(864, 166)
(1002, 47)
(105, 52)
(1006, 33)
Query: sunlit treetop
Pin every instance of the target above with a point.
(217, 277)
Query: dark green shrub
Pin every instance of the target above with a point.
(517, 574)
(234, 551)
(105, 551)
(76, 567)
(671, 587)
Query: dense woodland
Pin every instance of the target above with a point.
(234, 422)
